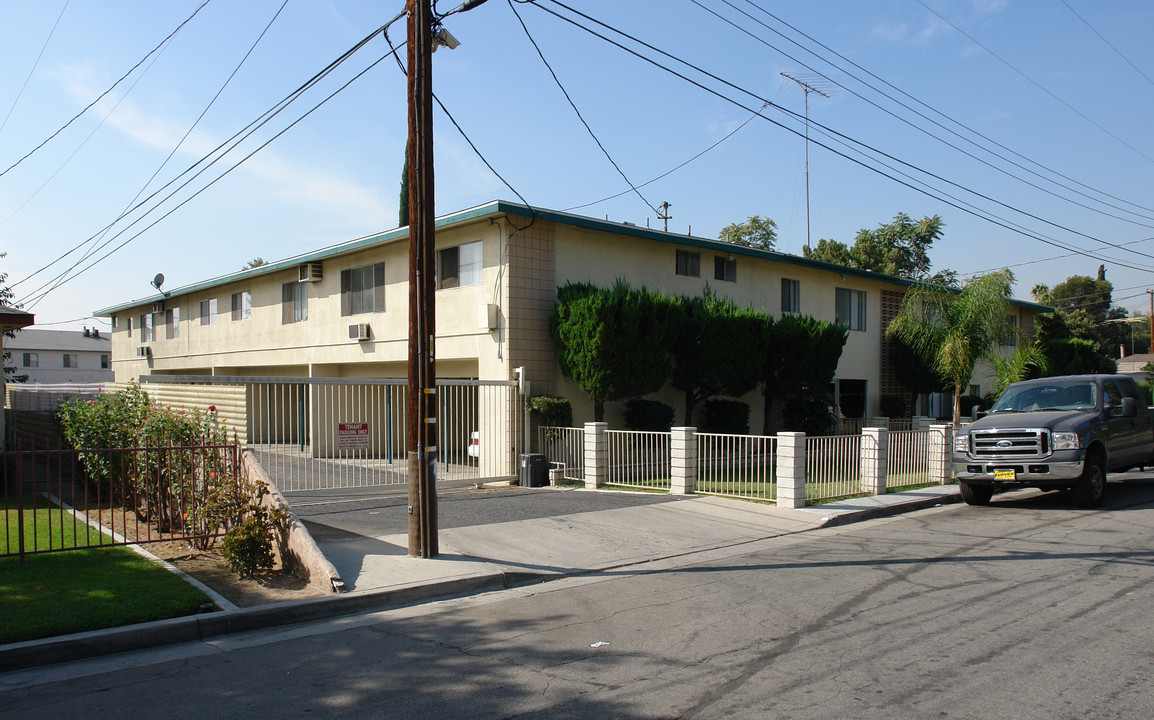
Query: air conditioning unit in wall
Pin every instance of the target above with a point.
(311, 272)
(158, 307)
(144, 351)
(359, 331)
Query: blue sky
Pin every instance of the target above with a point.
(1061, 90)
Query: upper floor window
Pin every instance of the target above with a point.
(294, 302)
(790, 295)
(145, 329)
(172, 323)
(129, 326)
(688, 263)
(851, 308)
(459, 266)
(105, 361)
(363, 289)
(31, 359)
(725, 268)
(208, 312)
(241, 305)
(71, 360)
(1010, 337)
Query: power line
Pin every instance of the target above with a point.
(931, 120)
(188, 132)
(989, 217)
(35, 65)
(233, 142)
(577, 111)
(1034, 82)
(110, 89)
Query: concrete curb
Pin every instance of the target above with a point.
(79, 646)
(853, 516)
(95, 643)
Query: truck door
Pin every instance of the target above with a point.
(1122, 433)
(1143, 429)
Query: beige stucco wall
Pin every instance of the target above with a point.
(524, 263)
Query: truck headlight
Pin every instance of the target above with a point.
(1066, 441)
(961, 443)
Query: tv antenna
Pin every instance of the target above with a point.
(810, 83)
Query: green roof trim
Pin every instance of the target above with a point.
(497, 208)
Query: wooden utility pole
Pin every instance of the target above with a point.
(1151, 294)
(421, 400)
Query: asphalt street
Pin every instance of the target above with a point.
(1029, 608)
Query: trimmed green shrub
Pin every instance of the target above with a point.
(551, 410)
(649, 415)
(727, 417)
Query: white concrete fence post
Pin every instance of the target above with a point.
(874, 441)
(596, 454)
(878, 422)
(791, 469)
(940, 450)
(920, 423)
(683, 456)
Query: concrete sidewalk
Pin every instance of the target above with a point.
(478, 558)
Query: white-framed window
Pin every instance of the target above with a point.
(363, 289)
(71, 360)
(172, 323)
(459, 266)
(208, 312)
(851, 308)
(790, 295)
(31, 360)
(294, 302)
(129, 326)
(688, 263)
(241, 305)
(725, 268)
(145, 328)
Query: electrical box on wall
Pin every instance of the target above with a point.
(487, 316)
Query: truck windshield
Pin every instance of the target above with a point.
(1063, 396)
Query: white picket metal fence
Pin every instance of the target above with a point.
(832, 466)
(742, 466)
(564, 448)
(639, 459)
(907, 458)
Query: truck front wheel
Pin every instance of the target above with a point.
(976, 494)
(1091, 487)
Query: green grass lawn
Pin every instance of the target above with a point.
(76, 590)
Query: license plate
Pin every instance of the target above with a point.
(1005, 475)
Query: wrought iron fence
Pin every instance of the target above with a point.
(639, 459)
(564, 448)
(743, 466)
(907, 458)
(832, 466)
(58, 499)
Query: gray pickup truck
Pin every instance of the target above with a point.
(1056, 433)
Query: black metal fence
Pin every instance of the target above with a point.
(57, 499)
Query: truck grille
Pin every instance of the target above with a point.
(1025, 443)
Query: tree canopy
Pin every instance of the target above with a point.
(756, 232)
(956, 329)
(1083, 307)
(899, 248)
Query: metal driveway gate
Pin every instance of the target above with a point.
(333, 433)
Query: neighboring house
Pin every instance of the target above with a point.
(343, 311)
(1135, 366)
(54, 357)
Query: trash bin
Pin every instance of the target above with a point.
(533, 470)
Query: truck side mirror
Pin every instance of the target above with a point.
(976, 412)
(1129, 407)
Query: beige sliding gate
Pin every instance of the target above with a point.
(334, 433)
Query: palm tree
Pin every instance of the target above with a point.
(954, 330)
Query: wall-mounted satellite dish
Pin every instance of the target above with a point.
(158, 281)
